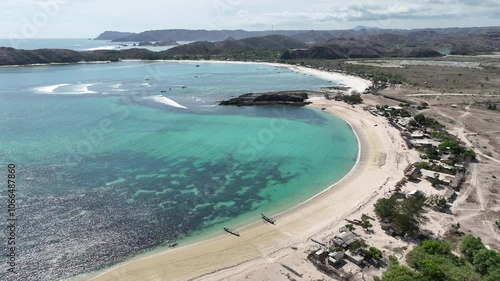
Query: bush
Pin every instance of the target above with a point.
(354, 98)
(434, 247)
(435, 261)
(431, 271)
(485, 261)
(493, 276)
(470, 246)
(401, 273)
(358, 244)
(375, 253)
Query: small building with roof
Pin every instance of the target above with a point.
(417, 192)
(354, 257)
(417, 135)
(345, 239)
(335, 257)
(417, 143)
(413, 172)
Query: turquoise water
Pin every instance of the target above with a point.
(107, 172)
(77, 44)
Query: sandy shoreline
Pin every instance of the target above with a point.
(260, 243)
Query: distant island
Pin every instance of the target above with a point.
(314, 36)
(112, 35)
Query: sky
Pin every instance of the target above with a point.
(88, 18)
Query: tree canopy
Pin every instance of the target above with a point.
(401, 273)
(434, 261)
(405, 214)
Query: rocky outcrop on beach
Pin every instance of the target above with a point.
(291, 98)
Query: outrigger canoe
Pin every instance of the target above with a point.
(232, 231)
(269, 220)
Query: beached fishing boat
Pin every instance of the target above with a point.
(232, 231)
(268, 219)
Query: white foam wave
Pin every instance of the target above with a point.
(102, 48)
(82, 89)
(165, 100)
(49, 89)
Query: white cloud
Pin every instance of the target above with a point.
(86, 18)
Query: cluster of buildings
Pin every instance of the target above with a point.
(440, 172)
(341, 250)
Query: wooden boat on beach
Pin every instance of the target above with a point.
(268, 219)
(232, 231)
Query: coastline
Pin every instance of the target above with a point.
(224, 253)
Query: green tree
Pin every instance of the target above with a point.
(453, 145)
(350, 227)
(401, 273)
(434, 247)
(470, 245)
(431, 271)
(365, 223)
(470, 153)
(485, 261)
(413, 207)
(439, 254)
(493, 276)
(358, 244)
(432, 153)
(393, 261)
(420, 119)
(375, 253)
(385, 208)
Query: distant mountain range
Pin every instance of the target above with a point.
(371, 43)
(421, 43)
(315, 36)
